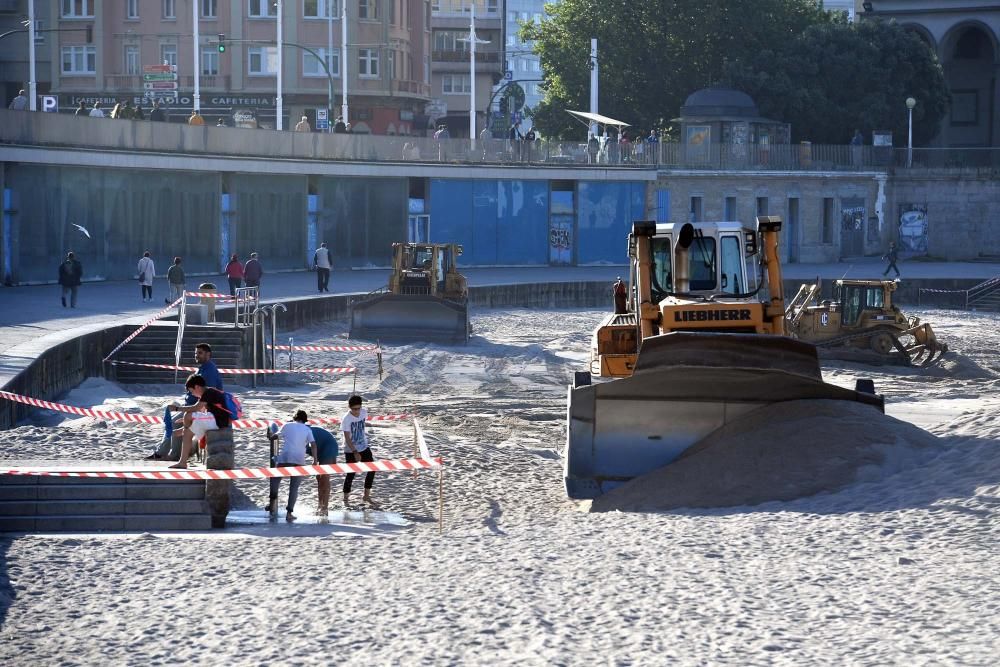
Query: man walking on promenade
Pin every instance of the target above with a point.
(356, 448)
(175, 281)
(303, 125)
(70, 275)
(20, 102)
(321, 262)
(146, 269)
(891, 256)
(157, 112)
(252, 271)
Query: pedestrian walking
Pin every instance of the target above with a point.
(70, 277)
(97, 111)
(593, 147)
(356, 448)
(156, 113)
(137, 113)
(195, 119)
(529, 143)
(514, 140)
(327, 449)
(339, 127)
(116, 111)
(20, 103)
(253, 271)
(146, 270)
(891, 256)
(81, 109)
(295, 436)
(175, 281)
(322, 264)
(234, 271)
(303, 125)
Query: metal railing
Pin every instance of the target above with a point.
(959, 298)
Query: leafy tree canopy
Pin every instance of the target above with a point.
(835, 78)
(652, 54)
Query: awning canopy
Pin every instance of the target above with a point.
(588, 118)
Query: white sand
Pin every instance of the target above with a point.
(899, 568)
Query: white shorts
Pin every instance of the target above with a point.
(202, 423)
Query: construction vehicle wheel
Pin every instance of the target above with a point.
(882, 343)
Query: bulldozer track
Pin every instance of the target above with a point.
(906, 354)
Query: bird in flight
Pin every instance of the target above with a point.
(82, 229)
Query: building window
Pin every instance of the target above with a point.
(368, 63)
(731, 210)
(493, 7)
(451, 40)
(209, 9)
(132, 9)
(169, 9)
(761, 205)
(262, 9)
(456, 84)
(696, 212)
(78, 9)
(368, 9)
(168, 54)
(210, 62)
(79, 60)
(262, 60)
(827, 230)
(133, 64)
(321, 9)
(39, 36)
(311, 65)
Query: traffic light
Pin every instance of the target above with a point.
(222, 42)
(504, 105)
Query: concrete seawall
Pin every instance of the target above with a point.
(65, 365)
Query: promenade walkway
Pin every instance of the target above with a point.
(32, 318)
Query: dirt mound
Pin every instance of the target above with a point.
(780, 452)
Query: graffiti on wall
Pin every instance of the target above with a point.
(913, 227)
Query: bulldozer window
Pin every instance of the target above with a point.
(660, 248)
(875, 298)
(852, 305)
(703, 264)
(422, 258)
(732, 265)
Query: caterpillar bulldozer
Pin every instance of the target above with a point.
(701, 343)
(861, 323)
(426, 298)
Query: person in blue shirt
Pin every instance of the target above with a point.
(170, 448)
(327, 449)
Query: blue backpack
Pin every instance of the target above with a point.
(232, 405)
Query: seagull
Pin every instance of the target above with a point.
(82, 229)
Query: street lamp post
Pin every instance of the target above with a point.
(278, 101)
(32, 84)
(472, 40)
(910, 103)
(197, 57)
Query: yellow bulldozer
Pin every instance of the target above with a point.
(427, 299)
(701, 343)
(861, 323)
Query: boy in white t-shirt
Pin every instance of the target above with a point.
(295, 435)
(356, 448)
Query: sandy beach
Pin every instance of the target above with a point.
(899, 565)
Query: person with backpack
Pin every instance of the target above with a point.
(169, 448)
(212, 412)
(295, 437)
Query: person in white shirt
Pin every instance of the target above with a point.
(146, 269)
(321, 262)
(357, 449)
(294, 435)
(97, 111)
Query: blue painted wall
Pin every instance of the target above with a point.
(605, 213)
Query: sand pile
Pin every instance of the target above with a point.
(780, 452)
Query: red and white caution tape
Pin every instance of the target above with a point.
(210, 295)
(244, 371)
(389, 465)
(325, 348)
(143, 327)
(152, 419)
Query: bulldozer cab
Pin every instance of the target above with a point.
(715, 262)
(856, 296)
(427, 269)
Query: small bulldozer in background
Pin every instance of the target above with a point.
(861, 323)
(426, 299)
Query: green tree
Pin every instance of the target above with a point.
(835, 78)
(652, 54)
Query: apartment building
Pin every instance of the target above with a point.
(386, 69)
(14, 52)
(451, 75)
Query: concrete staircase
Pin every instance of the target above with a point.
(53, 504)
(986, 295)
(156, 344)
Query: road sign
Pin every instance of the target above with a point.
(160, 85)
(159, 76)
(159, 68)
(171, 94)
(509, 74)
(50, 103)
(322, 119)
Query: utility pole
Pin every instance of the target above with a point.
(327, 57)
(32, 84)
(197, 56)
(593, 82)
(278, 101)
(343, 63)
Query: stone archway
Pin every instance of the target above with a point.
(968, 53)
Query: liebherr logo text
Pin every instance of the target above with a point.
(711, 315)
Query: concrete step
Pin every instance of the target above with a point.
(100, 507)
(96, 523)
(151, 491)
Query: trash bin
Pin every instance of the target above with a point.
(805, 154)
(208, 302)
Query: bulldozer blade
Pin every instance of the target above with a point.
(925, 343)
(685, 386)
(397, 317)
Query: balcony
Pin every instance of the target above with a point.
(463, 56)
(412, 87)
(123, 82)
(206, 82)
